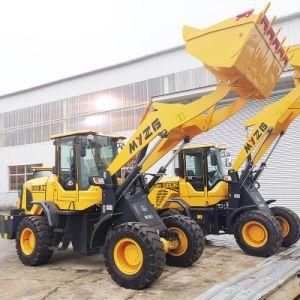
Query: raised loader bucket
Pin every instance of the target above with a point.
(244, 50)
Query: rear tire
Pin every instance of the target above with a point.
(258, 234)
(134, 255)
(34, 237)
(290, 223)
(191, 244)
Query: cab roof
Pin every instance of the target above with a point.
(187, 147)
(41, 168)
(86, 132)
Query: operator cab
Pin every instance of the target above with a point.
(81, 155)
(203, 165)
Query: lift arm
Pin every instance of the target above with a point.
(245, 56)
(273, 121)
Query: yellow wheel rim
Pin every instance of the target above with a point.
(128, 256)
(181, 245)
(255, 234)
(285, 226)
(27, 241)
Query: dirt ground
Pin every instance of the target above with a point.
(290, 290)
(69, 275)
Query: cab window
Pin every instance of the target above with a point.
(67, 169)
(88, 168)
(215, 170)
(194, 170)
(95, 155)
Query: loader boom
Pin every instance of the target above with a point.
(250, 65)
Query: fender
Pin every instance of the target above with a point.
(50, 210)
(270, 201)
(236, 213)
(103, 225)
(183, 204)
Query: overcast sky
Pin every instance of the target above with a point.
(46, 40)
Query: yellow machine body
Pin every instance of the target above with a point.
(49, 188)
(178, 187)
(266, 127)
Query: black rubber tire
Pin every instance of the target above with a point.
(272, 226)
(294, 222)
(194, 237)
(43, 236)
(169, 212)
(153, 253)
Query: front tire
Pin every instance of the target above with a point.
(134, 255)
(258, 234)
(191, 242)
(290, 223)
(34, 237)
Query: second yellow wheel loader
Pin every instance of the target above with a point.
(202, 189)
(84, 204)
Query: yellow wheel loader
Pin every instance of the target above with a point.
(85, 205)
(232, 204)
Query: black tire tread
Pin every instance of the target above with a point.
(156, 260)
(169, 212)
(195, 237)
(43, 234)
(294, 222)
(275, 236)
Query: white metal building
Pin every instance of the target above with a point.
(114, 98)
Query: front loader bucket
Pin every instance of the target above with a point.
(243, 50)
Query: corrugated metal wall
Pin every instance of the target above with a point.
(281, 179)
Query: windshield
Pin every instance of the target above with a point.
(215, 166)
(97, 153)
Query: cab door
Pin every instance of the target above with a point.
(66, 187)
(194, 177)
(88, 195)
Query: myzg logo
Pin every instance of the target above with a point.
(144, 135)
(255, 137)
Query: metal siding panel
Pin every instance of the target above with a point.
(288, 29)
(172, 62)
